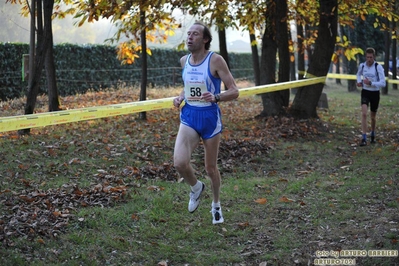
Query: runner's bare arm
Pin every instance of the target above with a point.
(220, 69)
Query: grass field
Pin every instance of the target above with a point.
(104, 192)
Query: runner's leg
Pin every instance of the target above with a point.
(211, 155)
(186, 141)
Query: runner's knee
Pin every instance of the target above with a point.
(211, 170)
(181, 163)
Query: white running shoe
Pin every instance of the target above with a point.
(195, 199)
(217, 215)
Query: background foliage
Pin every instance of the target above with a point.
(83, 67)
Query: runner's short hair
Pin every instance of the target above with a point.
(207, 34)
(370, 51)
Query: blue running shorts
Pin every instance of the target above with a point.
(206, 121)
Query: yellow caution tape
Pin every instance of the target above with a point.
(280, 86)
(353, 77)
(68, 116)
(393, 81)
(341, 76)
(61, 117)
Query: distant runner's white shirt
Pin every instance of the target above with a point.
(369, 72)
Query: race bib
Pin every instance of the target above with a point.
(193, 92)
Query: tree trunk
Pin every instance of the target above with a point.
(338, 70)
(54, 104)
(292, 59)
(292, 67)
(301, 47)
(394, 49)
(283, 50)
(40, 54)
(143, 90)
(301, 52)
(35, 76)
(394, 65)
(387, 38)
(255, 59)
(32, 41)
(338, 63)
(309, 51)
(352, 69)
(268, 62)
(223, 46)
(306, 99)
(350, 66)
(275, 39)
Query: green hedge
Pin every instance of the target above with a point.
(10, 69)
(83, 67)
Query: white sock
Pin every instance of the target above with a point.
(197, 187)
(216, 205)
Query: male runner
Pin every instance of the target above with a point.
(203, 72)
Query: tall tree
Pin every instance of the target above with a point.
(144, 65)
(271, 106)
(306, 99)
(395, 6)
(350, 61)
(41, 54)
(292, 58)
(338, 56)
(283, 42)
(301, 51)
(387, 54)
(220, 14)
(255, 58)
(223, 43)
(303, 17)
(276, 33)
(52, 91)
(247, 15)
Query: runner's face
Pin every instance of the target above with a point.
(369, 59)
(195, 38)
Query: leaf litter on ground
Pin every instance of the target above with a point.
(35, 213)
(46, 213)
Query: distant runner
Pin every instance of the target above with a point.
(371, 77)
